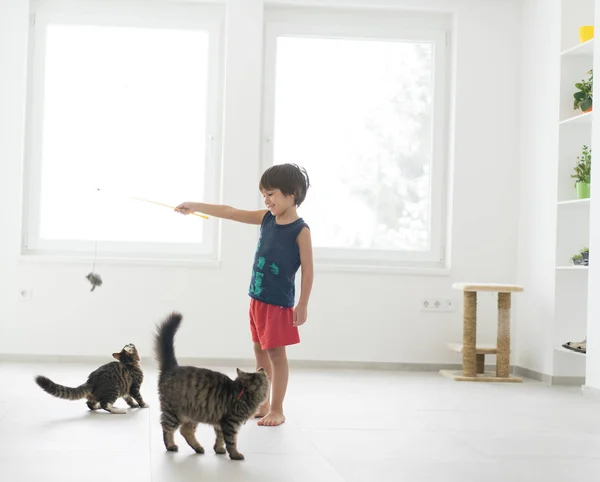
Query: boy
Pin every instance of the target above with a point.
(284, 245)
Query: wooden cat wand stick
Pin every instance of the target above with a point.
(154, 202)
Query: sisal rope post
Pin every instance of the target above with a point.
(480, 363)
(469, 359)
(503, 341)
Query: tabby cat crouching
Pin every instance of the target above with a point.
(104, 385)
(190, 395)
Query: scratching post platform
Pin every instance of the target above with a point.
(473, 355)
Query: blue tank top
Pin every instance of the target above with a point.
(276, 262)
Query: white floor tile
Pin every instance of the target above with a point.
(256, 468)
(343, 425)
(74, 466)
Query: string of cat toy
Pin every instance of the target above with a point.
(94, 278)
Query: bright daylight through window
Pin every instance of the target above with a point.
(359, 115)
(124, 109)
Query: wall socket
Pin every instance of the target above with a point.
(25, 294)
(437, 304)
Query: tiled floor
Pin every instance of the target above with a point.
(342, 426)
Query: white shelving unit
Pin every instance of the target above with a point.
(583, 49)
(572, 202)
(572, 214)
(578, 119)
(569, 352)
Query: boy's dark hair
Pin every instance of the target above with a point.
(288, 178)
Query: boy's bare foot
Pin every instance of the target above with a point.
(263, 410)
(261, 413)
(272, 419)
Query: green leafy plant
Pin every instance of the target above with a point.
(583, 98)
(583, 168)
(581, 258)
(576, 259)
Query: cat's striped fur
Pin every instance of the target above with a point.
(122, 378)
(190, 395)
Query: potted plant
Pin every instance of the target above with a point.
(576, 260)
(583, 171)
(585, 255)
(583, 98)
(582, 258)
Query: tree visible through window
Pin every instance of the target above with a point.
(358, 114)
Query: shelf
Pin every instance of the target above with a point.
(575, 201)
(564, 350)
(580, 119)
(583, 49)
(480, 349)
(573, 268)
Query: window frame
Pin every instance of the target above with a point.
(126, 14)
(373, 25)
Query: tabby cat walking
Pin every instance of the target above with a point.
(190, 395)
(122, 378)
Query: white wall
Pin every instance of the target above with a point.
(13, 55)
(537, 209)
(352, 316)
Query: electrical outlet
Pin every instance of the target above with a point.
(437, 304)
(25, 294)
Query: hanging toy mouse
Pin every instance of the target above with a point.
(94, 279)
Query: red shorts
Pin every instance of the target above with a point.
(272, 326)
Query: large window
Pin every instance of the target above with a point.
(124, 100)
(360, 101)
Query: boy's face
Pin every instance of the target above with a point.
(277, 202)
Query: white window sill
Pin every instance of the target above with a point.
(400, 270)
(117, 261)
(214, 264)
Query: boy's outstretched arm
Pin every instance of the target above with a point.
(223, 211)
(306, 264)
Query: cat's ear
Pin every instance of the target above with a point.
(260, 370)
(239, 372)
(117, 356)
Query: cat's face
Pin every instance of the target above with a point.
(255, 381)
(128, 354)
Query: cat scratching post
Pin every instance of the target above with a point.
(473, 355)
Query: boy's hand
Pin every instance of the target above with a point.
(186, 208)
(300, 314)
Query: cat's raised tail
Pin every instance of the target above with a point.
(164, 349)
(60, 391)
